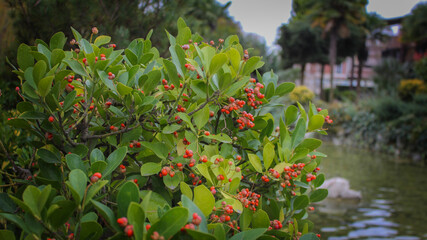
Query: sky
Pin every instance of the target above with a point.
(263, 17)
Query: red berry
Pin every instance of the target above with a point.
(17, 89)
(207, 133)
(123, 222)
(147, 227)
(129, 230)
(51, 119)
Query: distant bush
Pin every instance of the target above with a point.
(302, 94)
(408, 88)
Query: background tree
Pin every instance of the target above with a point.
(415, 27)
(334, 17)
(301, 45)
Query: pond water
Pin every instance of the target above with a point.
(394, 197)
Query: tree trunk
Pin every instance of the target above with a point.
(352, 72)
(332, 61)
(302, 73)
(322, 72)
(359, 76)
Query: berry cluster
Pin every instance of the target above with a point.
(274, 173)
(275, 224)
(189, 67)
(225, 212)
(111, 75)
(134, 143)
(248, 198)
(235, 104)
(328, 120)
(122, 168)
(196, 179)
(180, 108)
(156, 236)
(251, 93)
(188, 154)
(203, 158)
(166, 86)
(310, 177)
(165, 171)
(245, 120)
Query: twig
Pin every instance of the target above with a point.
(111, 133)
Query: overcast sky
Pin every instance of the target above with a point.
(263, 17)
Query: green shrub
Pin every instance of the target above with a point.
(126, 144)
(408, 88)
(302, 94)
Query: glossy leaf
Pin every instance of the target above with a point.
(114, 160)
(201, 117)
(217, 62)
(204, 199)
(268, 154)
(101, 40)
(255, 162)
(128, 193)
(318, 195)
(170, 223)
(260, 219)
(150, 168)
(136, 217)
(316, 122)
(252, 234)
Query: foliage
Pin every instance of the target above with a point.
(124, 20)
(388, 75)
(420, 69)
(385, 124)
(302, 94)
(127, 144)
(410, 87)
(414, 26)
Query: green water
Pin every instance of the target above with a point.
(394, 197)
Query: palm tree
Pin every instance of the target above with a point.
(334, 17)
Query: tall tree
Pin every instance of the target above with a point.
(334, 17)
(415, 27)
(301, 44)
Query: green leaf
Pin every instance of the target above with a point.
(246, 218)
(300, 202)
(47, 156)
(192, 208)
(284, 88)
(195, 234)
(260, 219)
(77, 179)
(217, 62)
(298, 133)
(60, 212)
(128, 193)
(152, 81)
(309, 236)
(171, 128)
(69, 100)
(114, 160)
(201, 117)
(136, 217)
(237, 86)
(204, 199)
(250, 65)
(222, 137)
(6, 203)
(39, 71)
(172, 72)
(57, 41)
(291, 114)
(186, 190)
(91, 230)
(33, 115)
(303, 112)
(173, 182)
(76, 34)
(319, 180)
(268, 154)
(31, 197)
(24, 57)
(310, 144)
(76, 66)
(74, 161)
(255, 162)
(7, 234)
(170, 223)
(16, 220)
(315, 122)
(57, 56)
(158, 148)
(96, 155)
(252, 234)
(45, 85)
(101, 40)
(107, 214)
(150, 168)
(123, 89)
(235, 58)
(318, 195)
(203, 169)
(151, 202)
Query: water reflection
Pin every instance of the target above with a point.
(394, 197)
